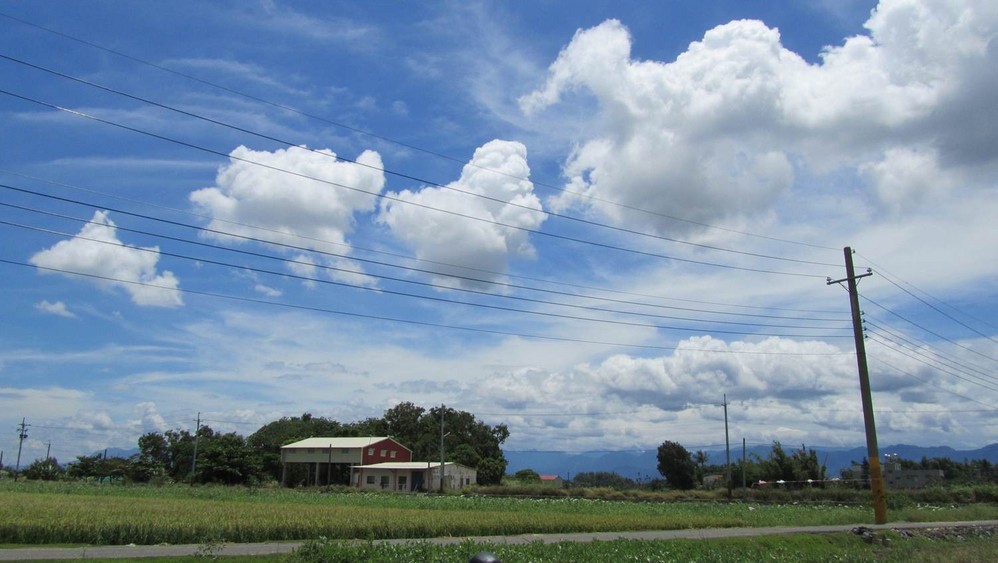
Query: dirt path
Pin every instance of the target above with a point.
(139, 551)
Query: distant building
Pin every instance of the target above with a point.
(898, 478)
(412, 476)
(553, 481)
(328, 456)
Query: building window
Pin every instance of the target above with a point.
(370, 479)
(393, 454)
(384, 481)
(311, 450)
(345, 451)
(384, 453)
(370, 451)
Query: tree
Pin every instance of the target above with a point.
(607, 479)
(47, 469)
(227, 459)
(676, 464)
(267, 441)
(527, 475)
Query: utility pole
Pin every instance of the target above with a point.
(727, 448)
(48, 450)
(22, 435)
(743, 463)
(442, 408)
(872, 450)
(197, 432)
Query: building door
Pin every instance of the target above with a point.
(417, 480)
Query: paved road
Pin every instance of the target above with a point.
(139, 551)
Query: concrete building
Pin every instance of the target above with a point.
(330, 457)
(412, 476)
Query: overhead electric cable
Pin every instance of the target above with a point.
(396, 255)
(296, 111)
(399, 200)
(384, 264)
(934, 384)
(933, 307)
(902, 351)
(913, 323)
(287, 143)
(367, 316)
(914, 343)
(937, 363)
(380, 290)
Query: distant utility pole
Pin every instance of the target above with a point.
(197, 432)
(727, 447)
(22, 435)
(872, 450)
(442, 408)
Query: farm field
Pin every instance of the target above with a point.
(75, 513)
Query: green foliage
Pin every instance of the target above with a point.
(38, 512)
(47, 469)
(527, 475)
(267, 441)
(676, 464)
(606, 479)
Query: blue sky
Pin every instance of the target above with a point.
(589, 221)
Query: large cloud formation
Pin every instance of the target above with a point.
(97, 251)
(306, 198)
(723, 130)
(480, 249)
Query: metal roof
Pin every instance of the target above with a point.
(351, 443)
(405, 465)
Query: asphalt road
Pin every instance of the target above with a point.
(139, 551)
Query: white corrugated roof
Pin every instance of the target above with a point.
(351, 443)
(403, 465)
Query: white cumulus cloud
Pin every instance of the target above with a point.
(722, 131)
(498, 172)
(293, 196)
(97, 251)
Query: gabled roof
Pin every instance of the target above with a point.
(408, 465)
(350, 443)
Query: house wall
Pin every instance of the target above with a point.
(385, 450)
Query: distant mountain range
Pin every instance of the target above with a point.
(641, 465)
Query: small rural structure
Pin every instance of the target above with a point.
(412, 476)
(553, 481)
(329, 457)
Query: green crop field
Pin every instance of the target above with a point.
(49, 513)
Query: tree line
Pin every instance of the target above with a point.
(232, 459)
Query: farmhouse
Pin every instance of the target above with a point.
(329, 459)
(412, 476)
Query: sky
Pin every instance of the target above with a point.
(594, 222)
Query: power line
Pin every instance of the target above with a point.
(900, 350)
(385, 264)
(400, 200)
(384, 318)
(296, 111)
(933, 383)
(934, 308)
(392, 254)
(451, 188)
(913, 323)
(440, 299)
(914, 344)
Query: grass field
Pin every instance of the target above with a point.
(51, 513)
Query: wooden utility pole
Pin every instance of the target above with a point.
(442, 408)
(22, 435)
(727, 448)
(197, 432)
(872, 450)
